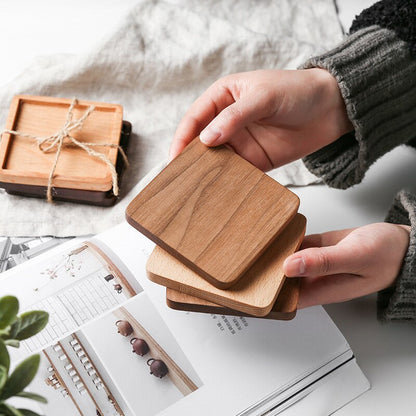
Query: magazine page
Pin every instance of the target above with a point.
(252, 360)
(17, 250)
(75, 283)
(102, 307)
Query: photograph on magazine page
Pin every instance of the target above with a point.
(125, 363)
(74, 286)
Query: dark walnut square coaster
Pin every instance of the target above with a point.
(213, 211)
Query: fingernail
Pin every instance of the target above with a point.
(295, 267)
(209, 135)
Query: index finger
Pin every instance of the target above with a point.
(329, 238)
(200, 114)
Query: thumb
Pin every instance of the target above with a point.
(231, 120)
(324, 261)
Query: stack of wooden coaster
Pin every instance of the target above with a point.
(223, 229)
(79, 173)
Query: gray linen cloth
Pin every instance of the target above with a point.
(160, 58)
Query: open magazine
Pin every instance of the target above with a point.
(100, 303)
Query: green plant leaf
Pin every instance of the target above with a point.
(31, 323)
(27, 412)
(4, 356)
(15, 327)
(21, 377)
(3, 409)
(3, 376)
(9, 306)
(32, 396)
(12, 343)
(9, 410)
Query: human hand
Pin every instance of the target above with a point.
(341, 265)
(268, 117)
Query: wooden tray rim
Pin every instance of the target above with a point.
(92, 183)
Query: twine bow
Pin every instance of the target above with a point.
(57, 141)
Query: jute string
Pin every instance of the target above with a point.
(63, 137)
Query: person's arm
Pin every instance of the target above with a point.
(399, 301)
(375, 68)
(269, 117)
(273, 117)
(341, 265)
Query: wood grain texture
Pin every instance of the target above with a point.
(22, 162)
(283, 309)
(254, 294)
(214, 211)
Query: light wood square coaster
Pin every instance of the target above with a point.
(283, 309)
(214, 211)
(254, 294)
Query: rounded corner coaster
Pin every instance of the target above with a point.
(254, 294)
(284, 309)
(213, 211)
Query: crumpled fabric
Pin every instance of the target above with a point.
(158, 60)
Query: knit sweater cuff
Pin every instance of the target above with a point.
(399, 302)
(379, 103)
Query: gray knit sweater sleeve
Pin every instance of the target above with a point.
(376, 71)
(399, 302)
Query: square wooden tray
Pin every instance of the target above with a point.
(21, 162)
(213, 211)
(100, 198)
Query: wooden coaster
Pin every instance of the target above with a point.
(100, 198)
(22, 162)
(214, 211)
(254, 294)
(283, 309)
